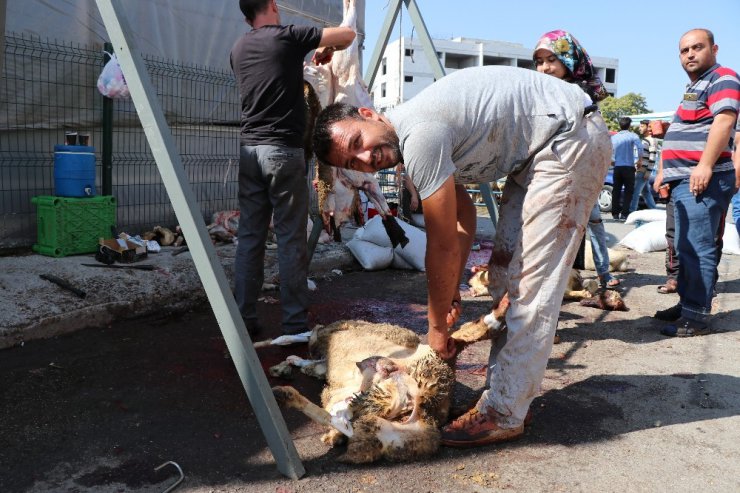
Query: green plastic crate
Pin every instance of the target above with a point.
(68, 226)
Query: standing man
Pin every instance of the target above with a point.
(477, 125)
(697, 163)
(268, 65)
(626, 146)
(643, 172)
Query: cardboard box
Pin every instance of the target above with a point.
(122, 250)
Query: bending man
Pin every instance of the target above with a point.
(474, 126)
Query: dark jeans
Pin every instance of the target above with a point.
(272, 183)
(698, 219)
(671, 258)
(624, 176)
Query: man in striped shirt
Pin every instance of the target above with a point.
(697, 164)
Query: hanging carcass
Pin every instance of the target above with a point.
(338, 189)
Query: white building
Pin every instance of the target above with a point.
(404, 69)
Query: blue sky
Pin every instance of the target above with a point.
(643, 34)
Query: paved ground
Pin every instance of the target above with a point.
(622, 408)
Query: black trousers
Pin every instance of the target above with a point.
(624, 176)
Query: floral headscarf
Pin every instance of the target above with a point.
(563, 45)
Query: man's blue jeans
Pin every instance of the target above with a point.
(697, 220)
(642, 186)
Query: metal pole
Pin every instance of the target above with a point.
(426, 41)
(487, 194)
(209, 268)
(107, 150)
(385, 33)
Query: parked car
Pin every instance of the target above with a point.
(605, 197)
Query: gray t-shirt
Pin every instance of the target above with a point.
(482, 123)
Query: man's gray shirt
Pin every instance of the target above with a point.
(482, 123)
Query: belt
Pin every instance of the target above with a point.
(590, 109)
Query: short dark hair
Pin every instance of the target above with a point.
(330, 115)
(644, 122)
(250, 8)
(625, 122)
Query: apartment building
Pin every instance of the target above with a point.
(404, 69)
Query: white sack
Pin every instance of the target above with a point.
(731, 240)
(649, 237)
(374, 232)
(370, 255)
(417, 220)
(400, 263)
(415, 250)
(646, 216)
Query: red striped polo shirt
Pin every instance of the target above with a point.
(717, 90)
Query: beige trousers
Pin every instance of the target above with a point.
(544, 212)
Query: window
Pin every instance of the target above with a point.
(382, 90)
(611, 75)
(409, 52)
(383, 67)
(408, 78)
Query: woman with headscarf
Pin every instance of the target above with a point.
(558, 53)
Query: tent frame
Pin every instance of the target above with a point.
(188, 213)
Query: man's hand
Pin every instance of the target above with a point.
(414, 202)
(455, 311)
(658, 180)
(699, 179)
(441, 343)
(323, 55)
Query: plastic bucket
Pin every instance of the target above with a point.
(74, 171)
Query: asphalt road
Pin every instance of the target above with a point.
(622, 408)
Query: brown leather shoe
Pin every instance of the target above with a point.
(475, 428)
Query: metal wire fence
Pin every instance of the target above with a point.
(49, 87)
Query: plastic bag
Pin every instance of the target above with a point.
(111, 82)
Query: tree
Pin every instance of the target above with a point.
(630, 104)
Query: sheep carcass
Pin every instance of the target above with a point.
(341, 81)
(386, 394)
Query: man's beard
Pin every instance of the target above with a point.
(394, 146)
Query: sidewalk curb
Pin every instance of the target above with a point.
(32, 308)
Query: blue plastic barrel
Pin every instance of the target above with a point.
(74, 171)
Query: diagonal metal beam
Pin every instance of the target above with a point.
(385, 33)
(426, 41)
(394, 8)
(204, 254)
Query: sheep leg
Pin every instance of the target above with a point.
(289, 397)
(577, 295)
